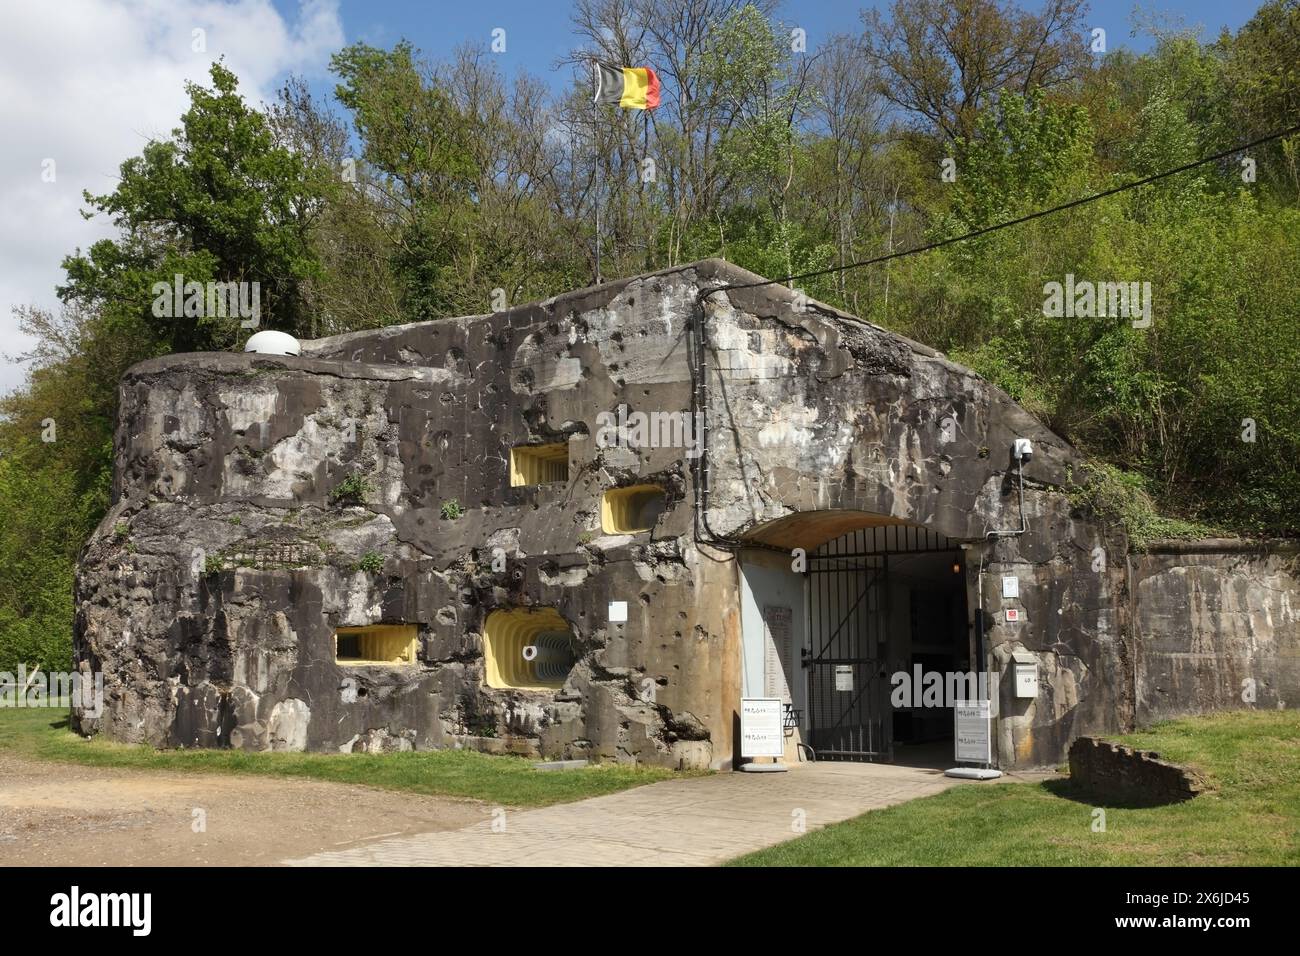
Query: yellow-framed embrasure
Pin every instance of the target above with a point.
(527, 648)
(539, 464)
(377, 644)
(631, 510)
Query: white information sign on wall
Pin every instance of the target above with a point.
(761, 720)
(972, 738)
(778, 650)
(844, 677)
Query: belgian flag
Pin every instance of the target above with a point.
(631, 87)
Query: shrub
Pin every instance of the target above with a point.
(1121, 498)
(352, 490)
(372, 562)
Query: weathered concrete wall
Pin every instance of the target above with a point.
(210, 593)
(1217, 625)
(820, 411)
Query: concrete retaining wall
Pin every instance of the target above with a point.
(1112, 773)
(1217, 626)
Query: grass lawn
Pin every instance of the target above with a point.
(510, 781)
(1251, 817)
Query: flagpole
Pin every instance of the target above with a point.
(645, 154)
(595, 127)
(595, 134)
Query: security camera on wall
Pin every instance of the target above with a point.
(1022, 449)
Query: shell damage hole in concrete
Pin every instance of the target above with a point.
(539, 464)
(631, 510)
(376, 644)
(527, 649)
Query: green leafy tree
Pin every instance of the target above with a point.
(415, 145)
(1262, 75)
(751, 69)
(55, 475)
(219, 201)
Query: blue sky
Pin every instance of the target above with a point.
(538, 32)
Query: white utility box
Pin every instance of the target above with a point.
(1024, 673)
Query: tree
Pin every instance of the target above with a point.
(356, 286)
(752, 71)
(1025, 153)
(55, 473)
(943, 60)
(1263, 76)
(414, 142)
(219, 201)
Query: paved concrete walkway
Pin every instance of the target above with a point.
(696, 821)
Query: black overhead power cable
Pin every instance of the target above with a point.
(976, 233)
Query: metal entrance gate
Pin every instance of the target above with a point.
(848, 631)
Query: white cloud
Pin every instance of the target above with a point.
(87, 83)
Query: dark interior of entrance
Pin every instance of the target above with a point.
(887, 607)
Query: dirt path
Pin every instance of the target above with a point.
(68, 815)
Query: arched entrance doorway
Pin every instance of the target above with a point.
(844, 614)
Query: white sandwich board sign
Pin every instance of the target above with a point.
(972, 737)
(761, 720)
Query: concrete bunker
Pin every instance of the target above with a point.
(651, 583)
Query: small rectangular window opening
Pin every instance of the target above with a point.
(539, 464)
(376, 644)
(631, 510)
